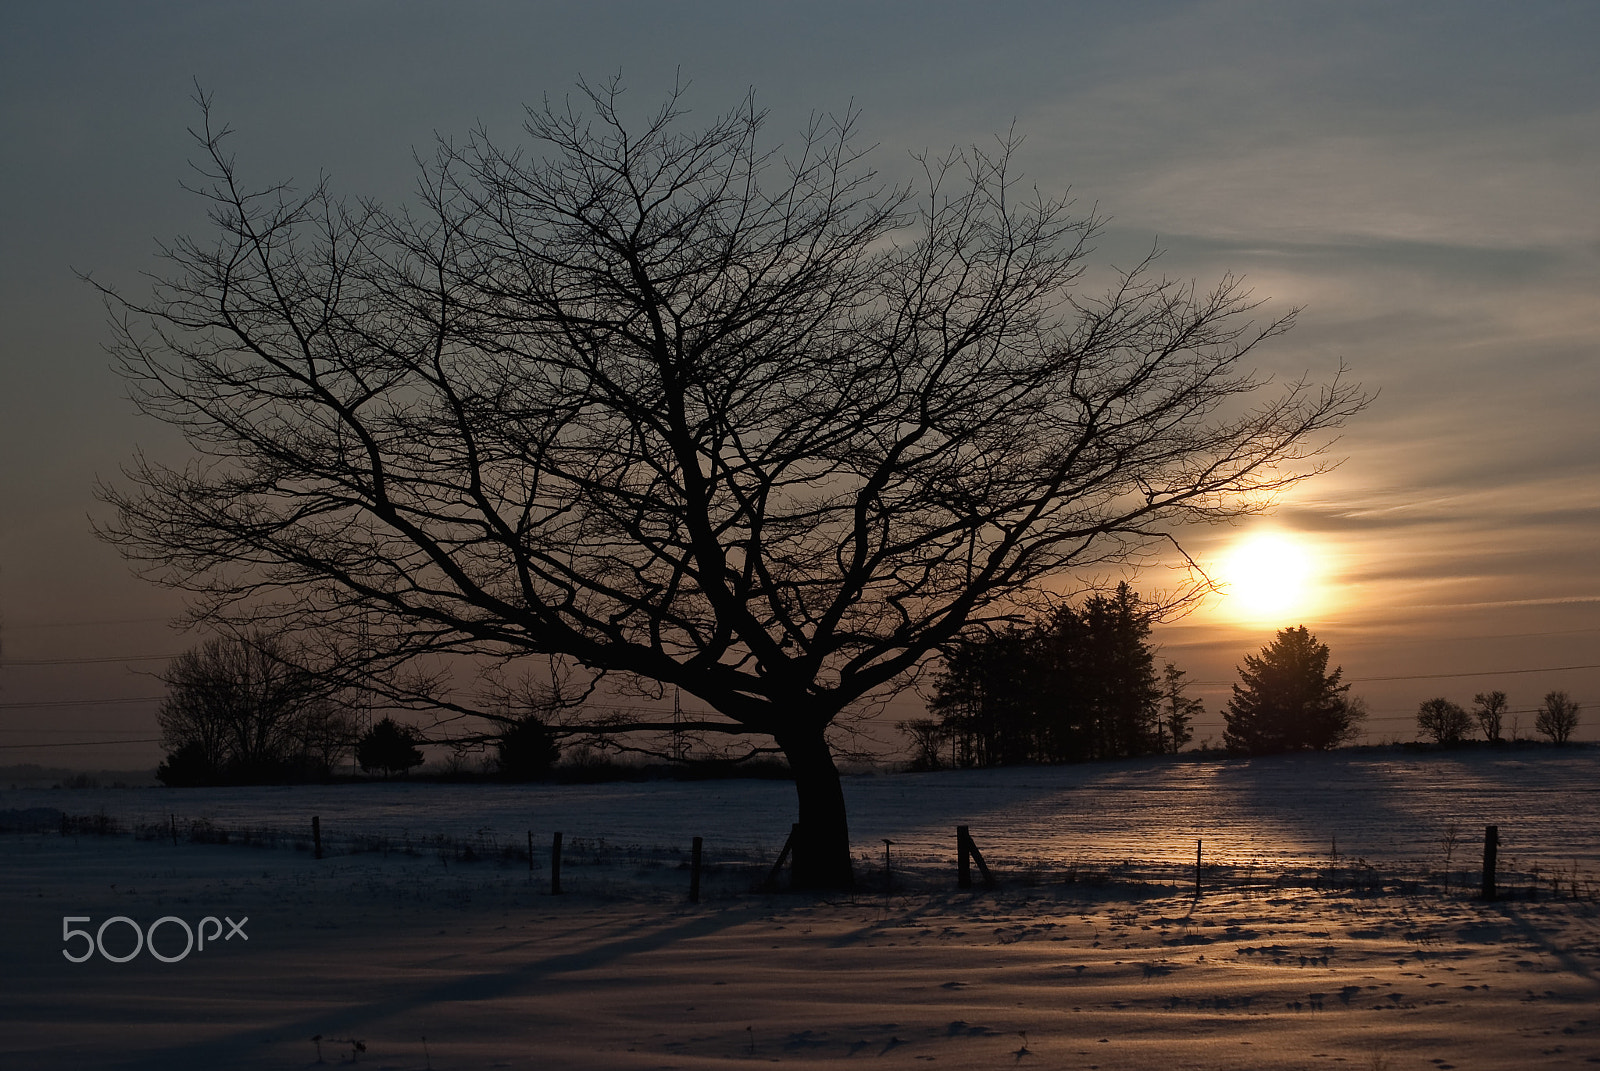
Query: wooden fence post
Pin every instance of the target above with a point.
(172, 820)
(555, 865)
(1197, 846)
(967, 853)
(316, 836)
(530, 857)
(1491, 847)
(694, 870)
(783, 856)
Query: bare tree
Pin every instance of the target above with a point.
(684, 410)
(928, 737)
(1558, 717)
(1490, 710)
(1443, 720)
(246, 707)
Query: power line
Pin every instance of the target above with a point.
(1392, 641)
(12, 626)
(50, 732)
(80, 702)
(84, 661)
(1473, 673)
(84, 743)
(1441, 676)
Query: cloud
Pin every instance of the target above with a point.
(1507, 188)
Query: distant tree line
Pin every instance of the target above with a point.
(251, 708)
(1079, 685)
(1448, 724)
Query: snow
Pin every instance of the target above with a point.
(1092, 952)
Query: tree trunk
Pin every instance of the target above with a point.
(822, 842)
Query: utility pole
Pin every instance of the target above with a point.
(677, 722)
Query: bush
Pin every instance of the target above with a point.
(188, 767)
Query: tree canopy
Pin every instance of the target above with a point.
(1077, 686)
(526, 750)
(682, 408)
(1287, 700)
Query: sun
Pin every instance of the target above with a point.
(1267, 575)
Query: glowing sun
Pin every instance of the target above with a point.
(1267, 575)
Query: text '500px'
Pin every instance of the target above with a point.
(194, 937)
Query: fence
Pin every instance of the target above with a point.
(561, 862)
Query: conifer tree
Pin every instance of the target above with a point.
(1287, 700)
(1175, 724)
(390, 747)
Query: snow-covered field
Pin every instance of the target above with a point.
(1092, 952)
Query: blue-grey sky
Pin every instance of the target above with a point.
(1422, 178)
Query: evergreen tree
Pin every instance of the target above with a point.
(1079, 686)
(390, 747)
(1287, 700)
(1118, 671)
(1174, 726)
(984, 697)
(189, 767)
(527, 749)
(1098, 697)
(1064, 709)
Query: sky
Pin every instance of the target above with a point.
(1420, 179)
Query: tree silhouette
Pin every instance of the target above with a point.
(188, 766)
(390, 747)
(1100, 680)
(1443, 720)
(1490, 710)
(928, 738)
(526, 749)
(1174, 724)
(1557, 717)
(1287, 700)
(986, 697)
(1077, 686)
(683, 409)
(246, 707)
